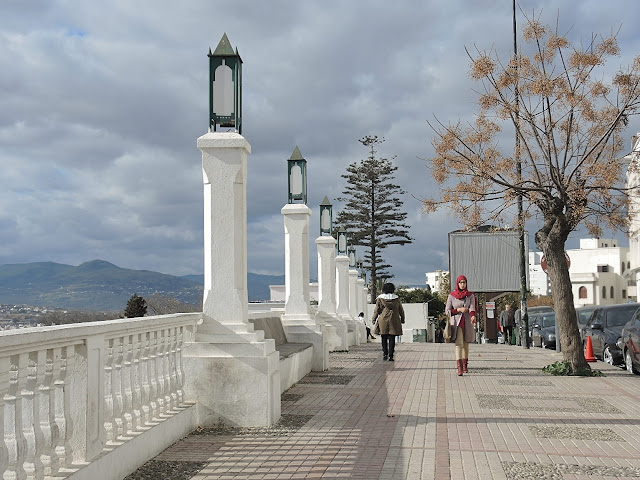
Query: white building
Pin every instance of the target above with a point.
(539, 283)
(597, 272)
(633, 182)
(435, 279)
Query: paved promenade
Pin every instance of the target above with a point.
(416, 419)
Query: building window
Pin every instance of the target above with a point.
(603, 268)
(628, 264)
(622, 267)
(604, 292)
(624, 294)
(611, 295)
(582, 292)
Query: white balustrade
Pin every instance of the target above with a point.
(67, 392)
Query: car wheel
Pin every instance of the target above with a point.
(606, 355)
(629, 363)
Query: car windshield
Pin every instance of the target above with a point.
(548, 320)
(619, 316)
(583, 316)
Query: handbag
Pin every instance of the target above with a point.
(447, 330)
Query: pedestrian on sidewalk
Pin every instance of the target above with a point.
(461, 310)
(388, 317)
(368, 325)
(507, 322)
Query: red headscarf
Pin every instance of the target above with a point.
(458, 293)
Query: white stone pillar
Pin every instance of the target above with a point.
(342, 286)
(231, 371)
(362, 307)
(353, 295)
(224, 168)
(297, 321)
(327, 291)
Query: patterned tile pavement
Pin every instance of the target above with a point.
(416, 419)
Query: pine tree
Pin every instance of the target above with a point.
(136, 307)
(372, 214)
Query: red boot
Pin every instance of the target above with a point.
(465, 368)
(460, 367)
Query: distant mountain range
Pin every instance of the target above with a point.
(101, 286)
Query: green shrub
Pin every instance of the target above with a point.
(564, 369)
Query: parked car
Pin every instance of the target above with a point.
(544, 330)
(534, 313)
(630, 344)
(583, 314)
(605, 329)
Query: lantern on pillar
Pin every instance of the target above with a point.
(297, 168)
(342, 241)
(352, 257)
(359, 267)
(225, 86)
(326, 217)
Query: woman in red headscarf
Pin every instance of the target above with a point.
(461, 309)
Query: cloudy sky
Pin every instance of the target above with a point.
(101, 104)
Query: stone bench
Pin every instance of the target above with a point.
(296, 359)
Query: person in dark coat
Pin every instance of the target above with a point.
(388, 317)
(507, 322)
(461, 309)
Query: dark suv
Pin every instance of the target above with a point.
(605, 329)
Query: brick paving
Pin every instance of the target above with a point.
(416, 419)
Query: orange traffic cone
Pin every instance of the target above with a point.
(589, 356)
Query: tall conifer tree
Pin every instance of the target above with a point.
(372, 215)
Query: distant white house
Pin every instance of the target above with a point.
(435, 279)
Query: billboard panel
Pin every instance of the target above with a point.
(489, 260)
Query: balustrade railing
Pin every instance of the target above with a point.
(67, 392)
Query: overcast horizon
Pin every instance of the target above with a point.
(102, 104)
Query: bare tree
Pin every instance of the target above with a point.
(164, 305)
(569, 122)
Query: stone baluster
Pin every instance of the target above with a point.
(173, 366)
(27, 366)
(118, 397)
(4, 386)
(144, 379)
(16, 443)
(109, 393)
(153, 374)
(47, 416)
(136, 395)
(166, 369)
(127, 406)
(66, 448)
(57, 409)
(37, 367)
(159, 374)
(180, 339)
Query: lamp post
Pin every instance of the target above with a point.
(225, 86)
(297, 178)
(343, 236)
(326, 217)
(352, 256)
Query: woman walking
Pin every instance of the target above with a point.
(461, 309)
(388, 317)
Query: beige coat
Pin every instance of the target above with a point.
(389, 315)
(469, 328)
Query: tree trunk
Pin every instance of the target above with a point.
(551, 240)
